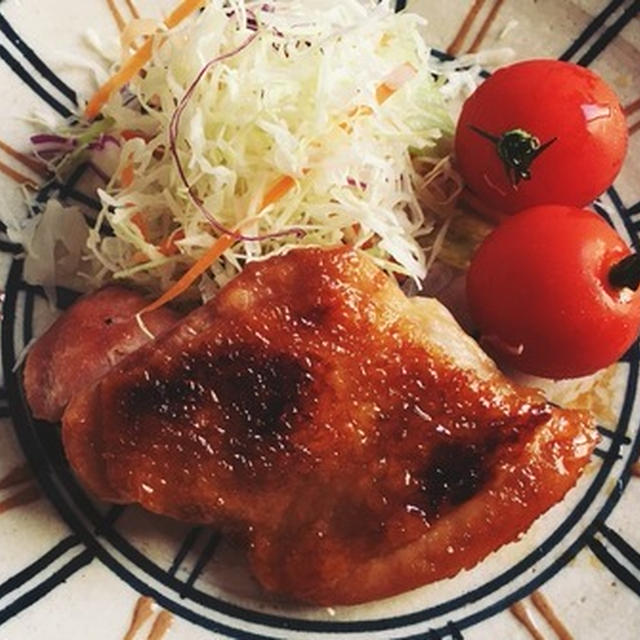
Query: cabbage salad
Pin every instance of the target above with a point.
(271, 125)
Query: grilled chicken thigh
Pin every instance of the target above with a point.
(358, 441)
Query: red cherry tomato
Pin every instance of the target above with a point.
(540, 132)
(553, 292)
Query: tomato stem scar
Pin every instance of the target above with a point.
(626, 273)
(517, 149)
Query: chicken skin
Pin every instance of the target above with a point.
(358, 441)
(83, 344)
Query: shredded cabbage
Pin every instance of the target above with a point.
(300, 99)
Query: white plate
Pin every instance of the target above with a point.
(71, 569)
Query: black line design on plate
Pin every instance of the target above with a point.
(400, 5)
(611, 453)
(35, 594)
(613, 436)
(626, 358)
(622, 211)
(185, 547)
(69, 192)
(610, 33)
(621, 572)
(64, 297)
(110, 518)
(634, 209)
(37, 63)
(38, 566)
(602, 212)
(203, 560)
(27, 324)
(73, 179)
(636, 225)
(86, 200)
(44, 194)
(443, 56)
(592, 28)
(28, 79)
(10, 247)
(456, 634)
(620, 544)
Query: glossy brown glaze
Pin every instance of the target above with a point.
(84, 343)
(359, 441)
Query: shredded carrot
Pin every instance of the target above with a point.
(362, 110)
(384, 92)
(168, 246)
(127, 175)
(139, 257)
(130, 134)
(275, 192)
(118, 80)
(398, 77)
(182, 11)
(356, 112)
(198, 268)
(135, 63)
(138, 219)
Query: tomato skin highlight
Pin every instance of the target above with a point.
(550, 100)
(538, 289)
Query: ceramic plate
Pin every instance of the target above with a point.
(71, 568)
